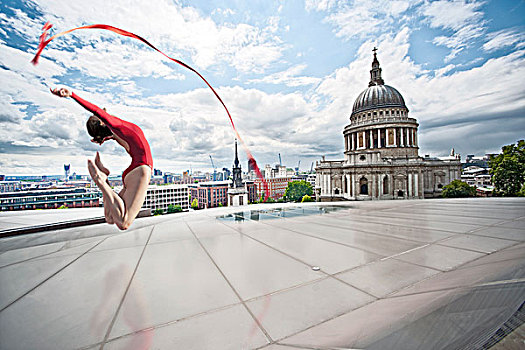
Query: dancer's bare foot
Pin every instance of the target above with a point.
(99, 164)
(96, 174)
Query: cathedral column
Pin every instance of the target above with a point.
(409, 194)
(395, 137)
(353, 186)
(371, 186)
(380, 185)
(378, 138)
(350, 186)
(352, 141)
(402, 136)
(415, 139)
(371, 132)
(416, 180)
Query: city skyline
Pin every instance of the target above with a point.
(288, 71)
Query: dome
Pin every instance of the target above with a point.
(378, 96)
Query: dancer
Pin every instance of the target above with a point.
(122, 208)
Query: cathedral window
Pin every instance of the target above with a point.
(363, 186)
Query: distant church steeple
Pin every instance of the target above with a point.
(237, 172)
(375, 73)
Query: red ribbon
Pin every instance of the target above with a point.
(43, 43)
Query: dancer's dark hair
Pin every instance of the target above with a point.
(97, 130)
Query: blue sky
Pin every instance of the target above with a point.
(289, 72)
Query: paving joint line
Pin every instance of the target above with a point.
(166, 324)
(231, 285)
(467, 287)
(328, 275)
(110, 327)
(361, 220)
(321, 238)
(367, 232)
(54, 274)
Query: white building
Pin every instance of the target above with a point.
(160, 197)
(381, 159)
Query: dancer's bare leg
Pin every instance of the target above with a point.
(105, 170)
(122, 211)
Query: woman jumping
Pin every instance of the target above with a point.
(120, 209)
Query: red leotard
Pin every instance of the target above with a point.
(138, 146)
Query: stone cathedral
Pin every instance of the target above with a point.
(381, 159)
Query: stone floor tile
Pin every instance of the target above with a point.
(74, 308)
(232, 328)
(439, 257)
(174, 280)
(291, 311)
(386, 276)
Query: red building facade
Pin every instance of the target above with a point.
(276, 186)
(210, 194)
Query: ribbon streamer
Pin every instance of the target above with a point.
(44, 42)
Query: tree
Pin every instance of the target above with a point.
(458, 188)
(174, 208)
(158, 211)
(195, 204)
(296, 190)
(306, 198)
(508, 170)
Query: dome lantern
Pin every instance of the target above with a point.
(375, 73)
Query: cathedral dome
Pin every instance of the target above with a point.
(378, 96)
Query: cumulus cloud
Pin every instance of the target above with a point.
(172, 27)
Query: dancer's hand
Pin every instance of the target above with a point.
(62, 92)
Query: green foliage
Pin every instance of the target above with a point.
(508, 170)
(195, 204)
(269, 200)
(458, 188)
(174, 208)
(220, 205)
(296, 190)
(522, 191)
(306, 198)
(158, 211)
(63, 206)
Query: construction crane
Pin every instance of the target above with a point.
(214, 169)
(280, 162)
(312, 168)
(297, 169)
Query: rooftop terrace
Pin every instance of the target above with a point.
(425, 274)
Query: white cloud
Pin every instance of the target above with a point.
(361, 18)
(290, 77)
(173, 28)
(463, 18)
(452, 14)
(504, 38)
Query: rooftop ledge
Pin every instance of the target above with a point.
(421, 274)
